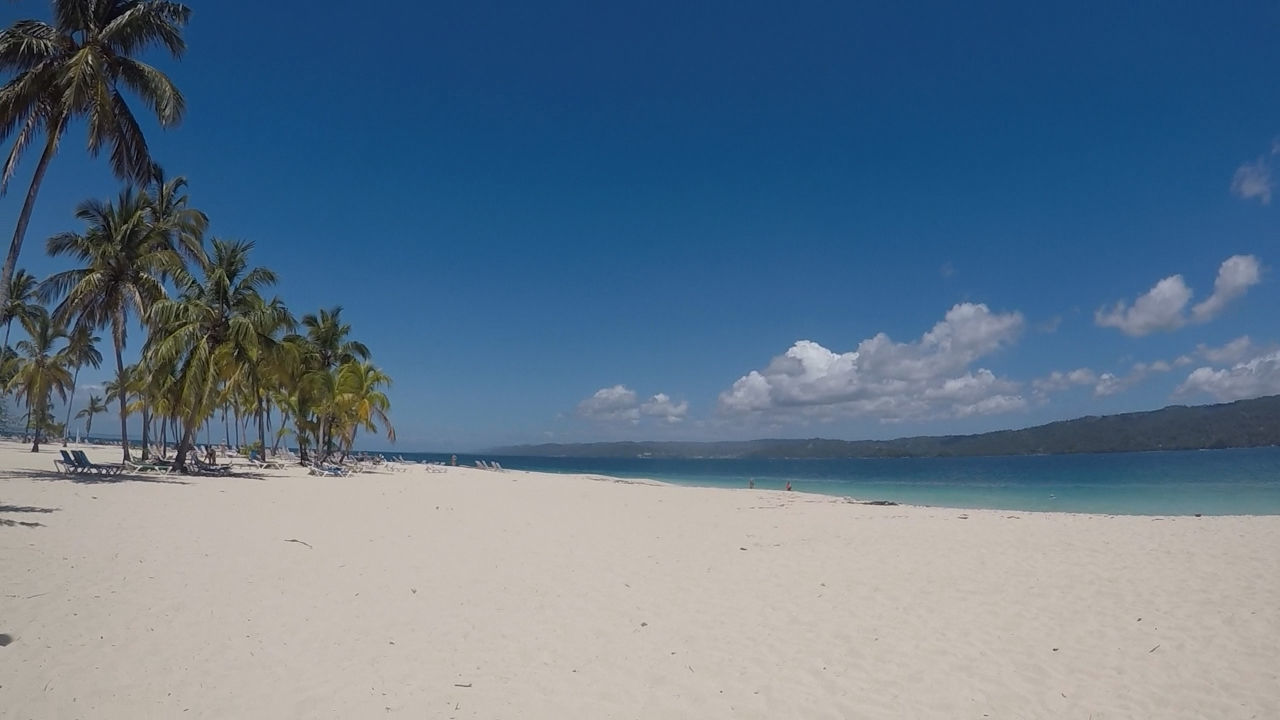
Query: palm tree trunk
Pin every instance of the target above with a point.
(124, 430)
(66, 435)
(146, 431)
(262, 429)
(7, 327)
(188, 435)
(35, 436)
(24, 218)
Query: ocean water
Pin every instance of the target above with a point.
(1210, 482)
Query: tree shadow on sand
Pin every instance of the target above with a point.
(6, 522)
(91, 478)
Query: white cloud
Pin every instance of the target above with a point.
(620, 403)
(1058, 381)
(1159, 309)
(1236, 275)
(1253, 180)
(930, 377)
(611, 403)
(661, 406)
(1110, 384)
(1253, 378)
(1233, 351)
(1162, 307)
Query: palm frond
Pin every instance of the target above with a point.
(28, 43)
(148, 23)
(154, 88)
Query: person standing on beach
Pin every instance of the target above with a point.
(788, 486)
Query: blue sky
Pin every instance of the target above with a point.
(540, 218)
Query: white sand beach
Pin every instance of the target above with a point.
(475, 594)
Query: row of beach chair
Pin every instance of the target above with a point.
(75, 462)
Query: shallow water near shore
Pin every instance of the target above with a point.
(1210, 482)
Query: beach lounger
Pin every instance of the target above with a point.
(327, 471)
(148, 467)
(67, 465)
(205, 468)
(83, 463)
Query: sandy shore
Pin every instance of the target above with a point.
(474, 594)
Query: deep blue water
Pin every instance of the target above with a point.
(1211, 482)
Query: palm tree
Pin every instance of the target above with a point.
(360, 403)
(181, 225)
(124, 257)
(210, 337)
(40, 370)
(326, 346)
(22, 303)
(82, 349)
(95, 406)
(77, 68)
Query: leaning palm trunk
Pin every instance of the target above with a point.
(184, 446)
(66, 435)
(24, 218)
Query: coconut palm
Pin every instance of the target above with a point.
(210, 336)
(360, 403)
(328, 336)
(95, 406)
(274, 320)
(326, 346)
(123, 258)
(39, 371)
(181, 225)
(77, 69)
(22, 301)
(82, 349)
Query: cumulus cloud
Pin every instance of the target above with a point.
(660, 406)
(1163, 306)
(1111, 384)
(1253, 180)
(1159, 309)
(1058, 381)
(1252, 378)
(611, 403)
(1236, 275)
(1234, 351)
(889, 380)
(620, 403)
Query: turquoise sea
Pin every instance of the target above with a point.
(1210, 482)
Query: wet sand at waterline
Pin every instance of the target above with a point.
(479, 594)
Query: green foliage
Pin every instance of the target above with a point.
(77, 69)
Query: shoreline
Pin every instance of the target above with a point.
(479, 594)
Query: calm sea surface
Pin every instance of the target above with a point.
(1212, 482)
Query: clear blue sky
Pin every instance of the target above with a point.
(523, 208)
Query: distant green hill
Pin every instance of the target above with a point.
(1245, 423)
